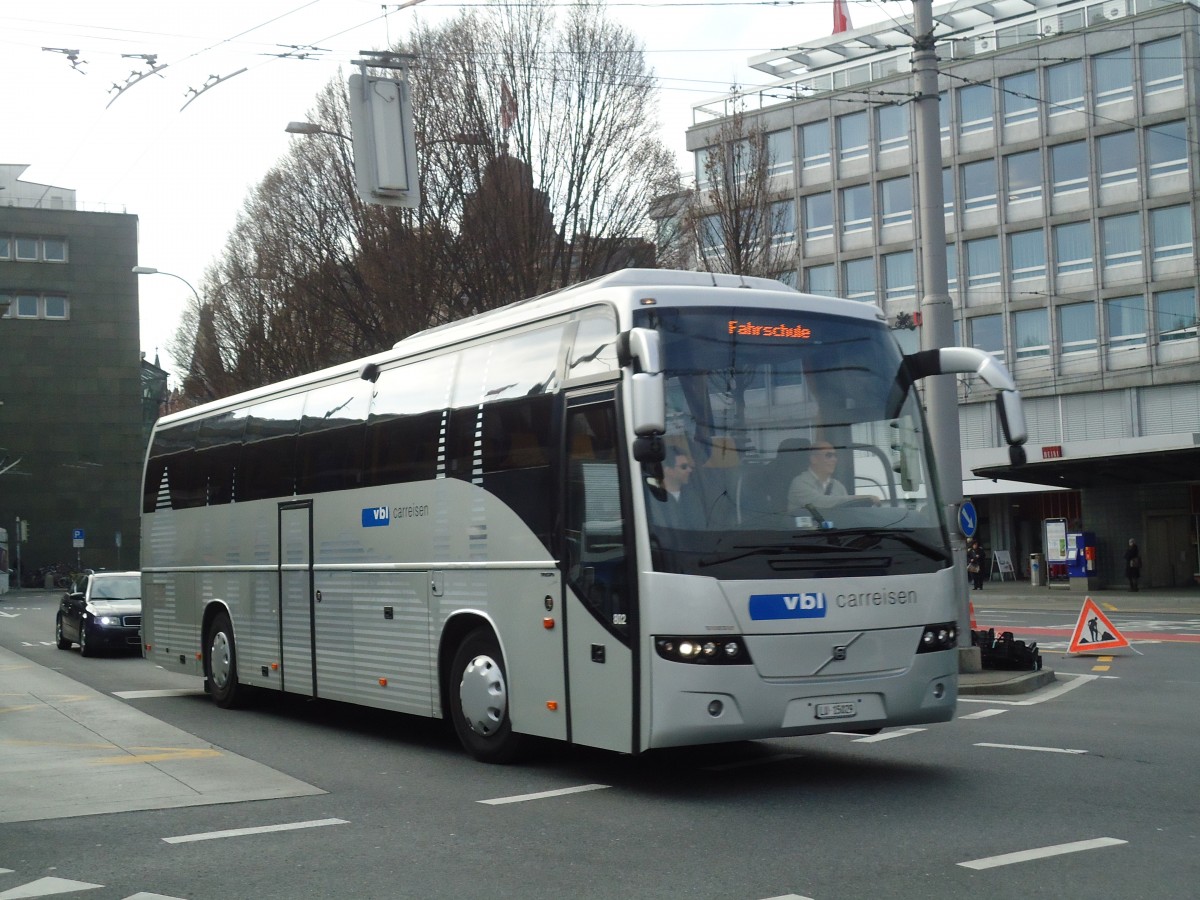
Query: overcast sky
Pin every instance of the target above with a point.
(186, 172)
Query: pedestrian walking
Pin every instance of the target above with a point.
(975, 559)
(1133, 564)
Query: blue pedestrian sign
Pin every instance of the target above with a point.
(968, 521)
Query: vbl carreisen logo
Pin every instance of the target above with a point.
(787, 606)
(375, 515)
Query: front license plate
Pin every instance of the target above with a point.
(837, 710)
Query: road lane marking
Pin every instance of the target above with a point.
(159, 754)
(1006, 859)
(541, 795)
(984, 714)
(1051, 693)
(169, 692)
(1038, 749)
(142, 895)
(261, 829)
(887, 735)
(788, 897)
(44, 887)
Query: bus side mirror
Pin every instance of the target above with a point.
(1012, 417)
(649, 404)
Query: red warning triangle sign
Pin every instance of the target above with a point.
(1094, 631)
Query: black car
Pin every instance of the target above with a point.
(101, 610)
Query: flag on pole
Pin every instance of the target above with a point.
(508, 107)
(841, 17)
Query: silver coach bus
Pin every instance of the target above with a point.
(487, 523)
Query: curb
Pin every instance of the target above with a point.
(990, 682)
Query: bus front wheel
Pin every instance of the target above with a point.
(479, 699)
(221, 664)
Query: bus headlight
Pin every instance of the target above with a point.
(943, 636)
(704, 650)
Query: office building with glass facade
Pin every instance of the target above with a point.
(1069, 136)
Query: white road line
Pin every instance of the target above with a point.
(1042, 696)
(5, 871)
(44, 887)
(984, 714)
(1006, 859)
(166, 692)
(142, 895)
(746, 763)
(262, 829)
(887, 735)
(541, 795)
(788, 897)
(1038, 749)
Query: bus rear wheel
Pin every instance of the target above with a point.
(479, 700)
(220, 663)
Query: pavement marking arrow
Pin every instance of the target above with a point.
(45, 887)
(9, 616)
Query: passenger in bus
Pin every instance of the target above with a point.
(681, 508)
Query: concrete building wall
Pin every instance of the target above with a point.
(71, 388)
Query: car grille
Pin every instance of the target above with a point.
(131, 621)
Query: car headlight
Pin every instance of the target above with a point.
(108, 621)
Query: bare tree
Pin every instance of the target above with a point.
(735, 220)
(553, 186)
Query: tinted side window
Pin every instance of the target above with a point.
(404, 427)
(329, 451)
(268, 467)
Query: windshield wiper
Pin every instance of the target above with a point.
(775, 550)
(902, 536)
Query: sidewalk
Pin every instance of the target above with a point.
(1116, 598)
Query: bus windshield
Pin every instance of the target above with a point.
(792, 448)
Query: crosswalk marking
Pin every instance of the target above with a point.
(47, 887)
(1040, 853)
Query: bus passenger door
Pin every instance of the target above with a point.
(599, 598)
(296, 598)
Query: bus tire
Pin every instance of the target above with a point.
(220, 664)
(479, 699)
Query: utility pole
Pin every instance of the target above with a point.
(937, 310)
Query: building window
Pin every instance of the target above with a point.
(983, 262)
(1171, 232)
(36, 306)
(5, 246)
(1073, 251)
(703, 166)
(1117, 158)
(1125, 318)
(891, 128)
(783, 222)
(1167, 149)
(1175, 315)
(710, 235)
(1122, 238)
(859, 276)
(856, 209)
(896, 201)
(899, 275)
(821, 280)
(1023, 176)
(54, 249)
(987, 334)
(978, 184)
(1065, 84)
(788, 277)
(1112, 75)
(1019, 98)
(975, 109)
(852, 136)
(1027, 255)
(815, 144)
(780, 153)
(1069, 167)
(818, 216)
(1077, 327)
(27, 248)
(1031, 333)
(1162, 65)
(951, 269)
(944, 115)
(948, 190)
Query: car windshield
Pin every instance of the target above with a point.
(116, 587)
(792, 444)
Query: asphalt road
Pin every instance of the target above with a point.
(1089, 787)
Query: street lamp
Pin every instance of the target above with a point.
(147, 270)
(466, 138)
